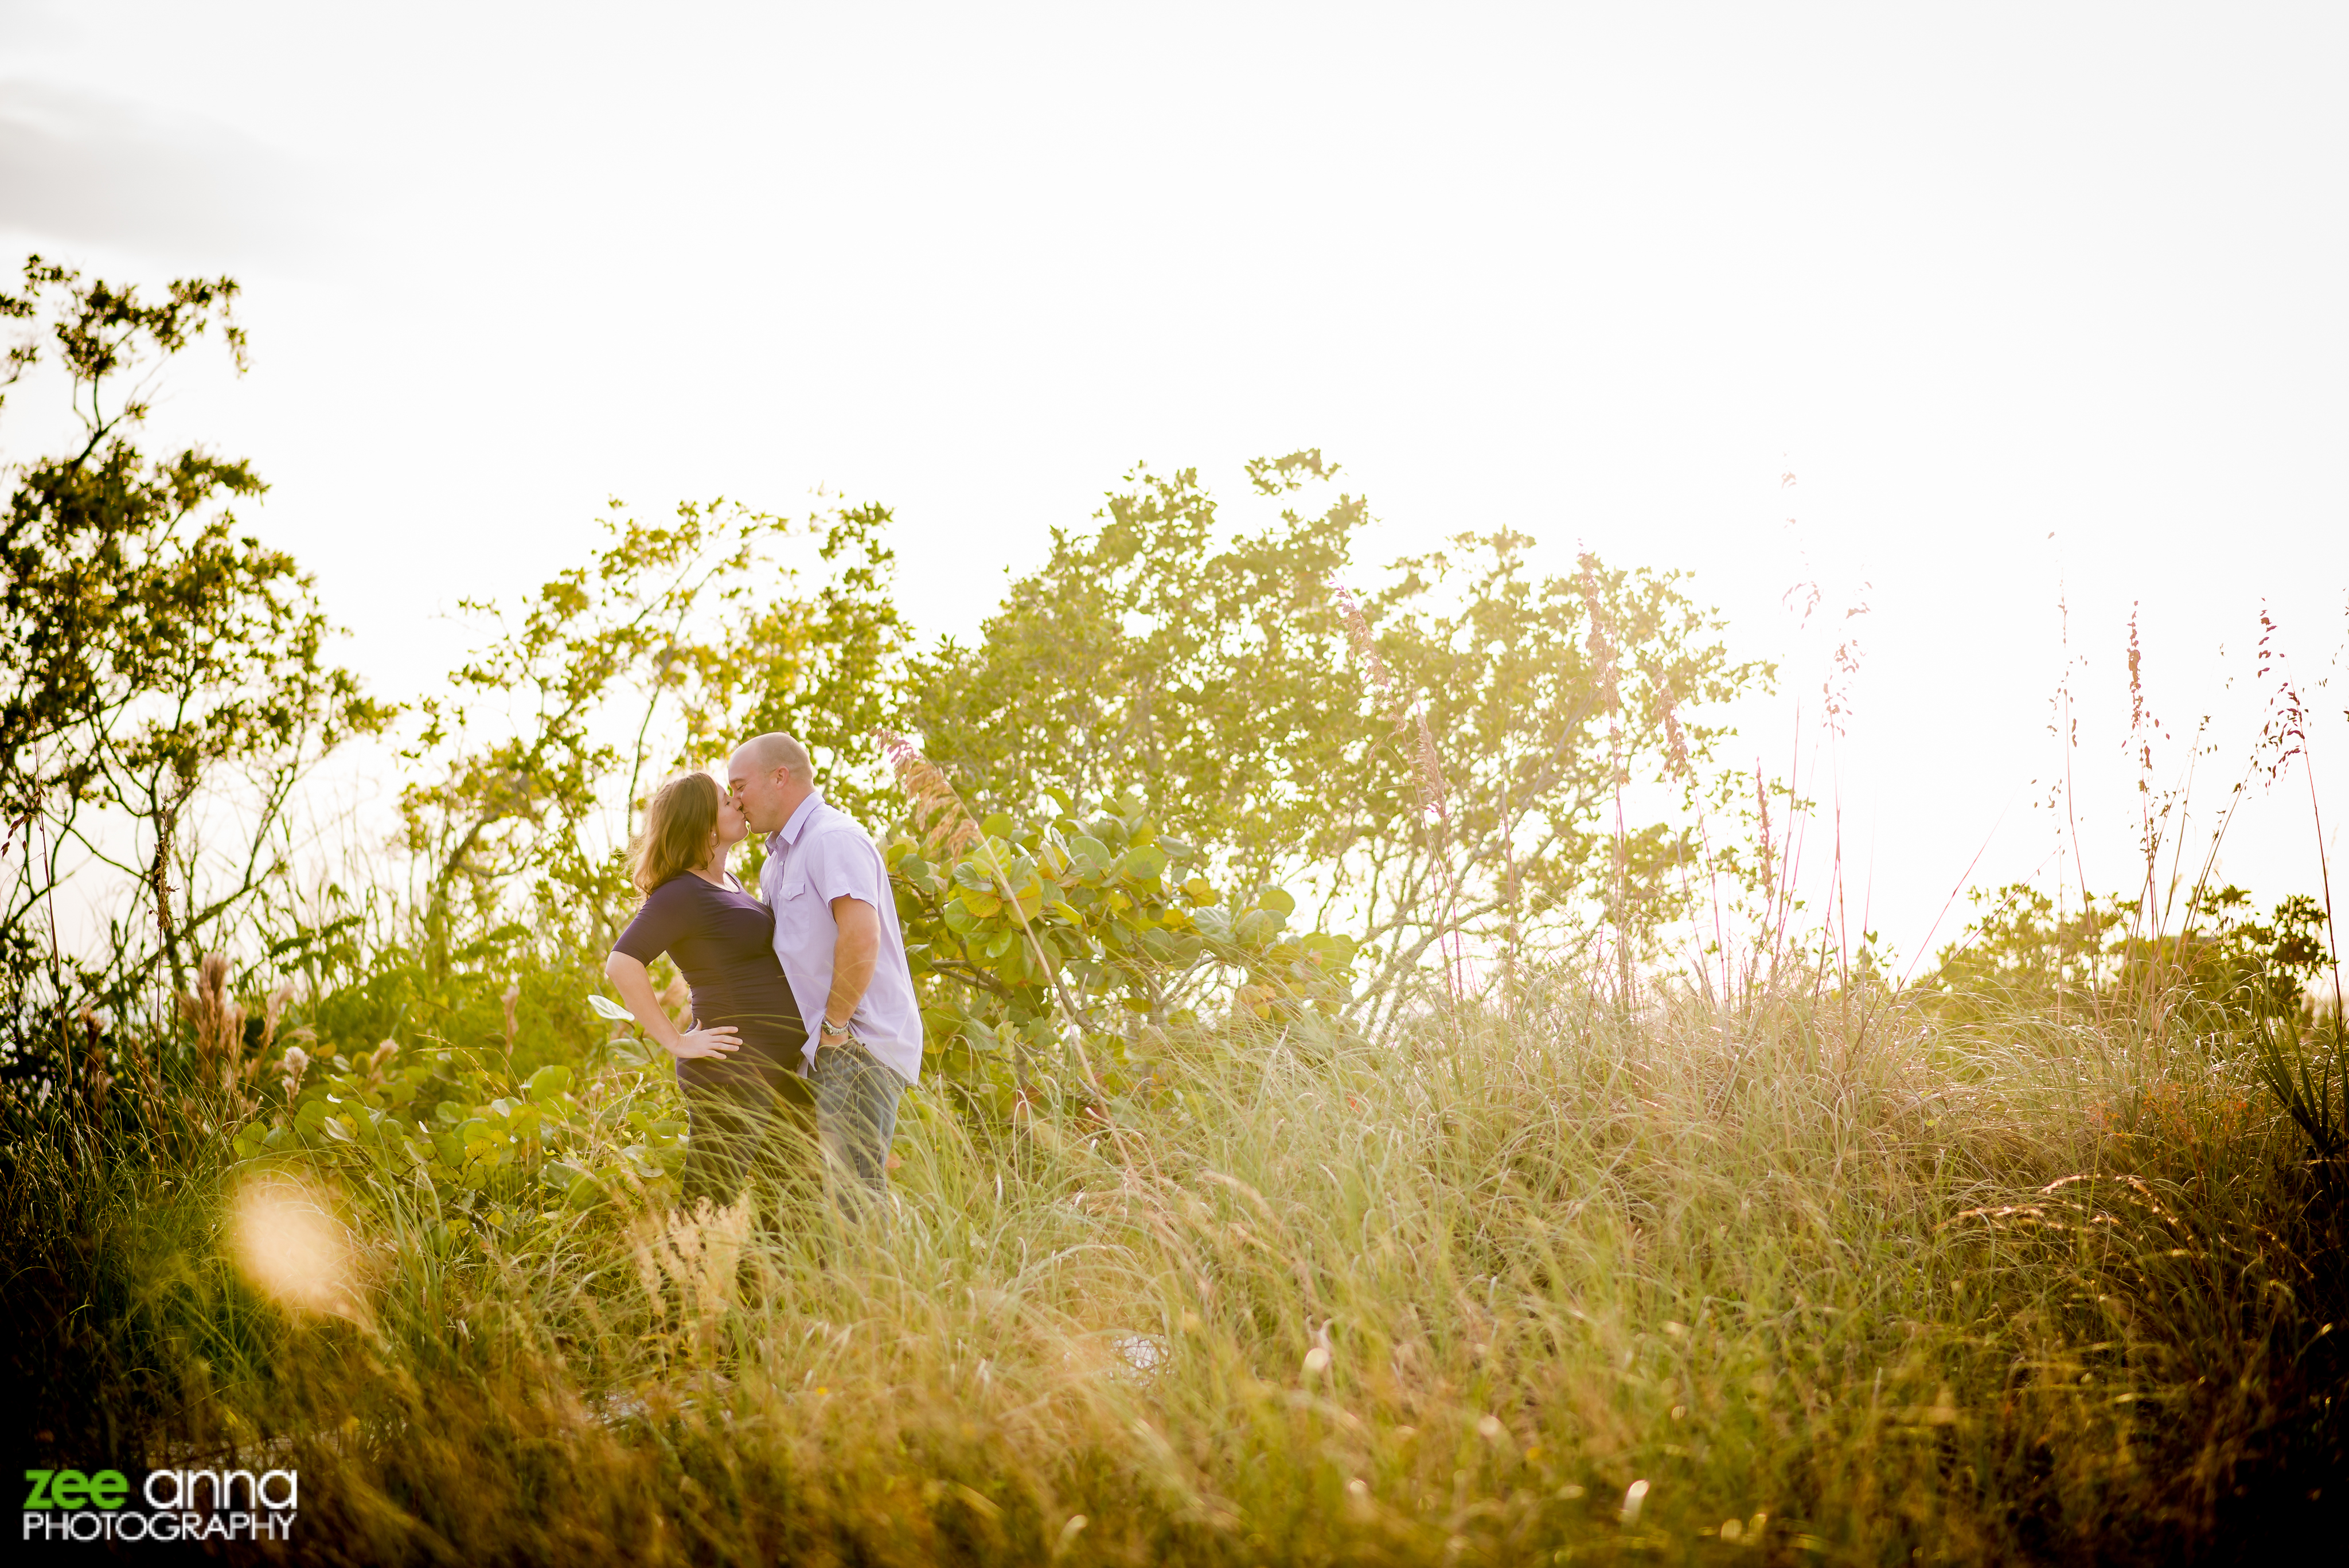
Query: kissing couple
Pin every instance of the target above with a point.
(804, 1028)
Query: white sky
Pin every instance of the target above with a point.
(2026, 295)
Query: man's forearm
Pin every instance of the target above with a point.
(852, 973)
(853, 955)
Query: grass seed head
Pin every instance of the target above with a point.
(939, 816)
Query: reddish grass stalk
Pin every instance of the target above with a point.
(1602, 655)
(1427, 778)
(2288, 732)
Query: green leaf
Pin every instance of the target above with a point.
(1276, 900)
(1142, 862)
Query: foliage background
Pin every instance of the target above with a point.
(1387, 1098)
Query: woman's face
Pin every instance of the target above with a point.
(731, 828)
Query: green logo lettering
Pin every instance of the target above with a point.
(109, 1487)
(67, 1489)
(39, 1496)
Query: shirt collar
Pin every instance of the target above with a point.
(790, 830)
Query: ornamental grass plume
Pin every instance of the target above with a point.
(290, 1066)
(946, 830)
(218, 1021)
(1676, 746)
(272, 1010)
(1427, 773)
(2284, 738)
(700, 1254)
(938, 814)
(95, 1081)
(1427, 764)
(1603, 662)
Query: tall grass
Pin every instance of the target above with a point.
(1564, 1286)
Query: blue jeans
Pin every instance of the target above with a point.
(855, 1118)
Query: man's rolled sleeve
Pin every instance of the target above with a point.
(843, 867)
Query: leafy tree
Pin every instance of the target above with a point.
(151, 657)
(2230, 957)
(2226, 960)
(2023, 946)
(1218, 676)
(1143, 650)
(1095, 930)
(670, 643)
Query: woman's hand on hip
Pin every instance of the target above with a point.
(703, 1044)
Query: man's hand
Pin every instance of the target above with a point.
(853, 955)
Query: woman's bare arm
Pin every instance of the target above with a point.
(630, 979)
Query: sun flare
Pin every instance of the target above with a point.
(289, 1244)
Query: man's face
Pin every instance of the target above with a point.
(764, 799)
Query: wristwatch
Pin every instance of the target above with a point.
(836, 1033)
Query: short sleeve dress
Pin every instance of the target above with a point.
(723, 941)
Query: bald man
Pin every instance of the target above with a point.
(836, 934)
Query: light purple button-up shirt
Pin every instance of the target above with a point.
(818, 855)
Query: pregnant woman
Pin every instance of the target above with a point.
(752, 1113)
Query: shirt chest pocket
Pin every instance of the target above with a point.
(795, 891)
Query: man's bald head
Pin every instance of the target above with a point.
(767, 778)
(765, 753)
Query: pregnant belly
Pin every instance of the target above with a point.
(767, 1022)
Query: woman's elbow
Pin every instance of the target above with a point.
(618, 964)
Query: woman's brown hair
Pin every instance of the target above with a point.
(680, 822)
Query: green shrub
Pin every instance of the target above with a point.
(1053, 957)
